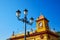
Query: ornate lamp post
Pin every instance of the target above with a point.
(24, 20)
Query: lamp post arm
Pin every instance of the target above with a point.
(24, 20)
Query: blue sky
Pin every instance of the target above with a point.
(9, 23)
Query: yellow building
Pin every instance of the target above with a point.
(42, 32)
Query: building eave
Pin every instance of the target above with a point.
(35, 34)
(42, 19)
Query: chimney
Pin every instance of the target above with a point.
(13, 33)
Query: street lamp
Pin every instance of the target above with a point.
(24, 20)
(25, 11)
(18, 12)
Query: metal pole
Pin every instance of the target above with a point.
(25, 26)
(25, 30)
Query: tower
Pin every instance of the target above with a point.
(42, 24)
(42, 27)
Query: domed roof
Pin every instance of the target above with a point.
(41, 17)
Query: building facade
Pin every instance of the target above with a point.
(59, 34)
(42, 32)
